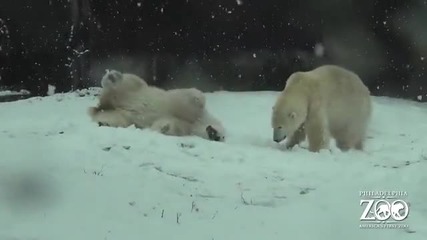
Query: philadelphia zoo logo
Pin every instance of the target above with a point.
(384, 210)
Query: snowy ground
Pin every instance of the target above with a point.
(9, 93)
(63, 177)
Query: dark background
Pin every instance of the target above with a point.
(237, 45)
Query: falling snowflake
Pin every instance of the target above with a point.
(319, 50)
(239, 2)
(254, 55)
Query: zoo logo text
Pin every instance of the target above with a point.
(381, 207)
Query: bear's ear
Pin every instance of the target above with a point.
(292, 115)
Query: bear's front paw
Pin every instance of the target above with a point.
(165, 129)
(162, 126)
(316, 148)
(289, 146)
(213, 134)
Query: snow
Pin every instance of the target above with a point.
(9, 93)
(319, 50)
(63, 177)
(51, 90)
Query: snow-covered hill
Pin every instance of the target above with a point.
(63, 177)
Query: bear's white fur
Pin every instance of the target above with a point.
(329, 101)
(127, 99)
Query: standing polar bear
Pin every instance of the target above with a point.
(126, 100)
(327, 101)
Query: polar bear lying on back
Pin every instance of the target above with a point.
(327, 101)
(126, 100)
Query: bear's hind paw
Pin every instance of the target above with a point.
(101, 124)
(213, 134)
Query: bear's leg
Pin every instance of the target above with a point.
(361, 133)
(317, 134)
(111, 118)
(296, 138)
(188, 104)
(346, 143)
(343, 145)
(351, 137)
(359, 145)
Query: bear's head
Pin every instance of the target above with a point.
(116, 86)
(113, 79)
(289, 113)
